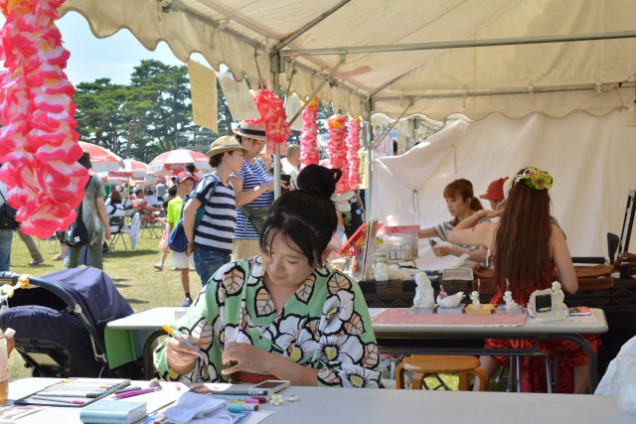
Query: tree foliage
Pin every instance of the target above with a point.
(151, 115)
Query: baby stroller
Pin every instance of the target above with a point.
(60, 319)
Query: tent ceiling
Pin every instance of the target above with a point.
(514, 79)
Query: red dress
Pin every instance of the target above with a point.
(533, 378)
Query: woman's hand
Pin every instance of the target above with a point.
(181, 357)
(443, 250)
(244, 357)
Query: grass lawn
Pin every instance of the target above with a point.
(132, 272)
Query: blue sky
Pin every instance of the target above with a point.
(113, 57)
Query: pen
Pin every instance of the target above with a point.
(127, 389)
(61, 400)
(131, 393)
(174, 333)
(232, 393)
(240, 407)
(65, 393)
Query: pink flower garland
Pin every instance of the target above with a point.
(38, 142)
(353, 145)
(309, 153)
(273, 116)
(337, 150)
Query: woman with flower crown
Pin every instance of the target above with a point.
(530, 252)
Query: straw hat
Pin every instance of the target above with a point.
(257, 132)
(227, 143)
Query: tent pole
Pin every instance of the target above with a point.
(601, 88)
(276, 66)
(368, 136)
(444, 45)
(317, 89)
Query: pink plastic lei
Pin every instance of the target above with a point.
(353, 145)
(38, 143)
(337, 150)
(309, 153)
(273, 116)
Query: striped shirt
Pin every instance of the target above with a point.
(442, 230)
(216, 229)
(252, 176)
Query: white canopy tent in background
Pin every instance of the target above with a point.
(590, 158)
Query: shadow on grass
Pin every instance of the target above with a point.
(124, 254)
(137, 301)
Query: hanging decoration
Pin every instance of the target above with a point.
(273, 116)
(309, 153)
(337, 150)
(353, 145)
(38, 143)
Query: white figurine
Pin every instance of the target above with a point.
(451, 300)
(558, 294)
(510, 302)
(424, 295)
(474, 297)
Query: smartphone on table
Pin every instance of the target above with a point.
(268, 387)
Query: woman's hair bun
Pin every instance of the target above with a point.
(318, 180)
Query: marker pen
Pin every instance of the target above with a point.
(131, 393)
(177, 335)
(128, 389)
(60, 400)
(240, 407)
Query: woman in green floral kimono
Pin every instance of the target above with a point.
(284, 314)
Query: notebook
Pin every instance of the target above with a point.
(73, 392)
(113, 411)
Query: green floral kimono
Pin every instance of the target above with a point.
(325, 325)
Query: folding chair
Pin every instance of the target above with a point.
(118, 222)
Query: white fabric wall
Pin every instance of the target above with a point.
(592, 160)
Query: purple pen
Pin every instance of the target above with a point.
(137, 392)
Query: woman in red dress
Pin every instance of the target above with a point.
(531, 252)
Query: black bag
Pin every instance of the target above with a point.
(177, 240)
(77, 235)
(7, 216)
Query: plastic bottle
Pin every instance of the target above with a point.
(4, 366)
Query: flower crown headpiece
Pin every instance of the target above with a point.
(535, 178)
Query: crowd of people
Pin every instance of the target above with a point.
(271, 307)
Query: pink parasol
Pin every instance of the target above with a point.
(102, 159)
(131, 168)
(174, 161)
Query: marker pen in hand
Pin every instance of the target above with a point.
(177, 335)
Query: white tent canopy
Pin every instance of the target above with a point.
(590, 158)
(438, 56)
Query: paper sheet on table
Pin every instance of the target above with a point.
(428, 261)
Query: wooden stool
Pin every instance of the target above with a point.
(423, 365)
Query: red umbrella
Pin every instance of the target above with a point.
(103, 160)
(174, 161)
(130, 168)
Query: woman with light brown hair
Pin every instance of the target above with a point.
(461, 203)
